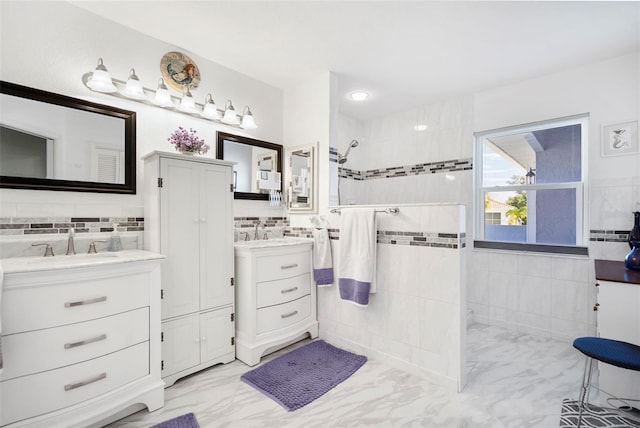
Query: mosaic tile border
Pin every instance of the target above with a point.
(422, 239)
(608, 235)
(274, 227)
(439, 167)
(16, 226)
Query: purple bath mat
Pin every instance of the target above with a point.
(184, 421)
(297, 378)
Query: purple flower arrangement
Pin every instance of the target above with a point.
(187, 141)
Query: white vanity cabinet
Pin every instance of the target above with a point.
(618, 312)
(80, 342)
(275, 297)
(189, 218)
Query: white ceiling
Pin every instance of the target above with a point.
(405, 53)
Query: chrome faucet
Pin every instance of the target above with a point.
(71, 249)
(255, 233)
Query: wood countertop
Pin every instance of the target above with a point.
(610, 270)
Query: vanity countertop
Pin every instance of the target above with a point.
(32, 264)
(611, 270)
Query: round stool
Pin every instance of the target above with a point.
(615, 352)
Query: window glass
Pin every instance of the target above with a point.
(530, 183)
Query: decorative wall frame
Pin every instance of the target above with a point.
(179, 71)
(620, 138)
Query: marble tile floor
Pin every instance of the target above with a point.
(514, 380)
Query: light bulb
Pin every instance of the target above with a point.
(100, 80)
(247, 119)
(210, 110)
(133, 88)
(230, 116)
(163, 97)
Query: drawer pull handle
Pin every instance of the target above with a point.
(85, 342)
(70, 386)
(289, 266)
(289, 290)
(290, 314)
(85, 302)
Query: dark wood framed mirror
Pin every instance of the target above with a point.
(258, 165)
(50, 141)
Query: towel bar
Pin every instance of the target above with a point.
(392, 210)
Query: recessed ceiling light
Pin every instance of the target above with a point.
(420, 127)
(359, 95)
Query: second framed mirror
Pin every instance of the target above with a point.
(301, 178)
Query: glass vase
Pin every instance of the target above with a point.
(632, 260)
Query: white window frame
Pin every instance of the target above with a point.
(581, 190)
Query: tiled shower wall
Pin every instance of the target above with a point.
(548, 295)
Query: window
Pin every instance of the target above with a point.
(530, 187)
(492, 218)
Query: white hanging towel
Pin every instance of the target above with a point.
(357, 260)
(322, 264)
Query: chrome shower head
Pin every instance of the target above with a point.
(343, 158)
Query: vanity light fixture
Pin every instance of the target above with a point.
(359, 95)
(247, 119)
(210, 110)
(100, 81)
(230, 116)
(133, 88)
(162, 97)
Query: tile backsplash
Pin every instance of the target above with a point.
(56, 225)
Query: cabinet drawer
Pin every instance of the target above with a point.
(29, 396)
(33, 308)
(47, 349)
(285, 290)
(279, 266)
(281, 316)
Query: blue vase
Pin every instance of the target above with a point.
(632, 261)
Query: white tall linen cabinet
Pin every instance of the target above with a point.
(189, 218)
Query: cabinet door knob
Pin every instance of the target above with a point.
(595, 307)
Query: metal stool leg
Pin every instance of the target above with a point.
(585, 389)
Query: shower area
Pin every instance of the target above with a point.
(416, 321)
(417, 156)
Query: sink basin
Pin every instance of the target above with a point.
(30, 264)
(275, 242)
(71, 259)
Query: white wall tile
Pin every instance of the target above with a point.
(534, 295)
(534, 265)
(503, 290)
(569, 300)
(572, 269)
